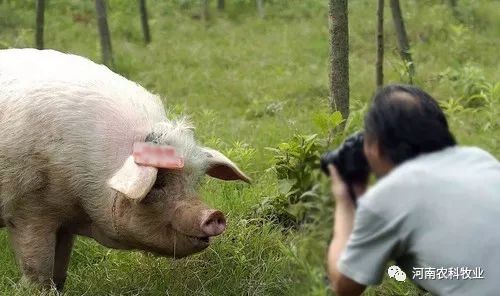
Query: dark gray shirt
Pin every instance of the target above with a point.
(438, 217)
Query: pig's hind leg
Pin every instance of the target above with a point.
(2, 222)
(33, 238)
(64, 245)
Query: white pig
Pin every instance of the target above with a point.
(67, 132)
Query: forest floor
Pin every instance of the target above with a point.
(250, 83)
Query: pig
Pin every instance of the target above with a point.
(68, 127)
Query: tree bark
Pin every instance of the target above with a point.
(144, 21)
(454, 10)
(204, 10)
(102, 24)
(379, 63)
(40, 12)
(404, 45)
(339, 57)
(221, 4)
(260, 8)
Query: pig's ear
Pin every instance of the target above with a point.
(220, 167)
(133, 180)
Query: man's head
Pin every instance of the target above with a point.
(403, 122)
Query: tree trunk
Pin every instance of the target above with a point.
(40, 12)
(221, 4)
(102, 24)
(260, 8)
(404, 45)
(379, 64)
(454, 9)
(339, 57)
(144, 21)
(204, 10)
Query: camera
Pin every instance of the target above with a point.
(350, 162)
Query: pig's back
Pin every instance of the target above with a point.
(67, 119)
(31, 68)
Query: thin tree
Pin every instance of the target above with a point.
(260, 8)
(40, 12)
(379, 63)
(144, 21)
(204, 10)
(454, 9)
(221, 4)
(404, 45)
(339, 57)
(102, 24)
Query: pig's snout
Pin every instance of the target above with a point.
(213, 222)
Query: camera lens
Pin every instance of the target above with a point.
(326, 159)
(349, 160)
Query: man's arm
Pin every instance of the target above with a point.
(342, 228)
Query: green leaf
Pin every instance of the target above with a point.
(284, 146)
(311, 138)
(495, 91)
(285, 185)
(327, 121)
(320, 120)
(335, 119)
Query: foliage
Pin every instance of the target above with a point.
(475, 91)
(265, 107)
(478, 101)
(328, 123)
(299, 197)
(403, 68)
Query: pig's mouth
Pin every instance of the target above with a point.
(205, 239)
(202, 241)
(194, 244)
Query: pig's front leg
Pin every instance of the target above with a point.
(64, 245)
(2, 222)
(34, 243)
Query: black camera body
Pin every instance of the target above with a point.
(350, 162)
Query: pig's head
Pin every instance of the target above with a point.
(157, 207)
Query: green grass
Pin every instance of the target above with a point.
(248, 84)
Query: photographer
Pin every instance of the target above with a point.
(435, 206)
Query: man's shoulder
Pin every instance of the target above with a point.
(389, 191)
(451, 156)
(431, 165)
(409, 180)
(418, 178)
(400, 178)
(478, 154)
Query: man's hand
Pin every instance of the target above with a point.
(339, 187)
(342, 228)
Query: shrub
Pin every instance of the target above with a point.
(302, 196)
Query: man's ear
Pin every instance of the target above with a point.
(372, 148)
(133, 180)
(220, 167)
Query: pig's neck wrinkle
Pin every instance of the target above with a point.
(95, 232)
(114, 220)
(103, 222)
(99, 213)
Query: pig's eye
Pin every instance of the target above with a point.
(160, 181)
